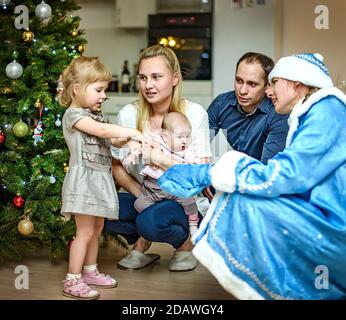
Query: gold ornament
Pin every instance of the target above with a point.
(38, 104)
(65, 167)
(20, 129)
(81, 48)
(25, 226)
(74, 33)
(6, 90)
(28, 36)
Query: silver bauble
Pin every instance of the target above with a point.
(43, 11)
(14, 70)
(52, 179)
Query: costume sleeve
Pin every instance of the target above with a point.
(318, 149)
(276, 138)
(73, 115)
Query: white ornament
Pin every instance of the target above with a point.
(5, 3)
(52, 179)
(14, 70)
(43, 11)
(58, 122)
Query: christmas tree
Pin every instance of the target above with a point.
(38, 40)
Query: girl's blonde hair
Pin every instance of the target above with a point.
(83, 71)
(177, 103)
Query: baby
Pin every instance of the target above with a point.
(175, 141)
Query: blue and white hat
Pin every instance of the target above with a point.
(306, 68)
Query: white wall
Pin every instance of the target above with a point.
(237, 31)
(113, 45)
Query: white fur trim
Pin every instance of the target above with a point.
(223, 172)
(215, 264)
(301, 108)
(296, 69)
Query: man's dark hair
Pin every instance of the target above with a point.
(255, 57)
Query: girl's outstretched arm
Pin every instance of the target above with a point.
(121, 135)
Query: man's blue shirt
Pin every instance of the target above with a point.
(261, 134)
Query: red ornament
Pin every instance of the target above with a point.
(18, 201)
(2, 137)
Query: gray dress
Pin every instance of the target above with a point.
(88, 185)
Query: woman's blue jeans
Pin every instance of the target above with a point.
(165, 221)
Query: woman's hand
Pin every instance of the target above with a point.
(135, 150)
(136, 135)
(157, 157)
(152, 154)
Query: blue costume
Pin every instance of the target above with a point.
(278, 231)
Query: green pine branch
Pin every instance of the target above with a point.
(36, 172)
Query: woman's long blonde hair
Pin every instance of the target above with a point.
(84, 71)
(177, 102)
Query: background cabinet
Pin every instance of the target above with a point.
(133, 13)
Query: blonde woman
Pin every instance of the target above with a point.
(160, 92)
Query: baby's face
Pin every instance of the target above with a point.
(178, 139)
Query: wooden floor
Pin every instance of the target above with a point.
(154, 282)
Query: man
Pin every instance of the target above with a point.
(248, 116)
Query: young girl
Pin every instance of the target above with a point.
(88, 190)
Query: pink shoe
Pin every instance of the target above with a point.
(78, 289)
(97, 279)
